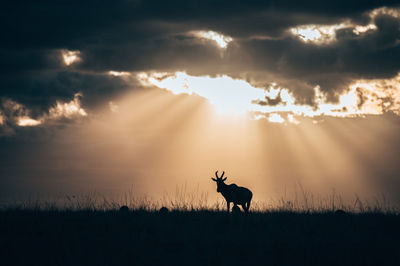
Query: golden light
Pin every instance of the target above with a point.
(358, 29)
(162, 138)
(118, 73)
(26, 121)
(70, 57)
(275, 118)
(61, 110)
(236, 96)
(307, 33)
(394, 12)
(325, 34)
(113, 107)
(226, 94)
(292, 120)
(377, 96)
(220, 39)
(67, 109)
(320, 34)
(168, 134)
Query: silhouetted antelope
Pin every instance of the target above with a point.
(233, 193)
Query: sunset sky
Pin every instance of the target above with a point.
(151, 95)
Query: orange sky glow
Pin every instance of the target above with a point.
(288, 103)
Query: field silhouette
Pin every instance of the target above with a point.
(140, 235)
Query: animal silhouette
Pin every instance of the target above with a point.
(233, 193)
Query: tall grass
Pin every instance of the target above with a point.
(186, 198)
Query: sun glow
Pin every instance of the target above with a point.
(226, 94)
(277, 104)
(275, 118)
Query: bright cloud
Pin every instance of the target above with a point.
(325, 34)
(227, 94)
(278, 105)
(275, 118)
(18, 114)
(70, 57)
(361, 29)
(316, 33)
(220, 39)
(26, 121)
(118, 73)
(377, 96)
(394, 12)
(67, 109)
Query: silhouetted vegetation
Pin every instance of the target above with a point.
(140, 237)
(92, 230)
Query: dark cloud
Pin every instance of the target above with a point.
(153, 35)
(374, 54)
(39, 90)
(49, 23)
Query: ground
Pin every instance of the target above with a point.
(197, 238)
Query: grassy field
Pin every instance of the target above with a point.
(145, 237)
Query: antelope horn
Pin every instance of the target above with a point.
(222, 174)
(216, 174)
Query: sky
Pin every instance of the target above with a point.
(154, 95)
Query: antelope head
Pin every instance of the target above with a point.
(220, 181)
